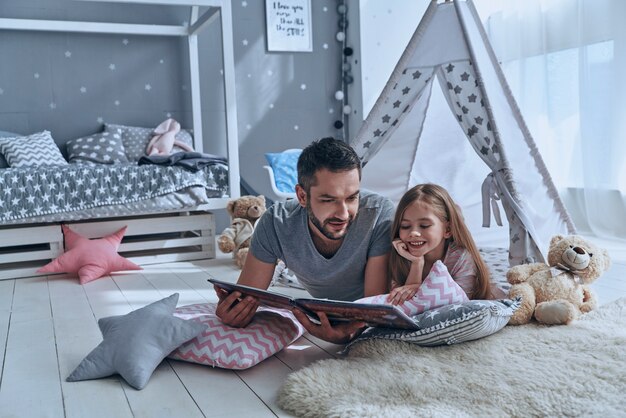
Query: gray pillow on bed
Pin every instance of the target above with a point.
(100, 148)
(38, 149)
(5, 134)
(136, 139)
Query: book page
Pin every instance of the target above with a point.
(387, 316)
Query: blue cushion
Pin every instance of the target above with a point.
(285, 169)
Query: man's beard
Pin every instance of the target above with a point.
(322, 226)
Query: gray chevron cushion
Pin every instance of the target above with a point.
(32, 150)
(5, 134)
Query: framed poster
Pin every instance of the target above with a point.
(288, 25)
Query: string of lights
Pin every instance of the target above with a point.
(341, 95)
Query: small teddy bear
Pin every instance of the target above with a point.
(244, 212)
(557, 292)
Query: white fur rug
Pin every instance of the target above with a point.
(531, 370)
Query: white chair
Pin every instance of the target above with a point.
(277, 194)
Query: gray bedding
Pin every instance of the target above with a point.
(48, 194)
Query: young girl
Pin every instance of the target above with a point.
(428, 227)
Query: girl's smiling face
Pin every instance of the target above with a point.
(423, 232)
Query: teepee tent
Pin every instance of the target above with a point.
(445, 103)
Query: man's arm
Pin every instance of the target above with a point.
(239, 312)
(376, 282)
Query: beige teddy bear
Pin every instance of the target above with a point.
(244, 212)
(557, 292)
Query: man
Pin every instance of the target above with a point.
(335, 238)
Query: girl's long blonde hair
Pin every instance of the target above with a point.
(447, 211)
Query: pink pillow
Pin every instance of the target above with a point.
(89, 258)
(437, 289)
(223, 346)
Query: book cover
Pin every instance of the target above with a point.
(375, 315)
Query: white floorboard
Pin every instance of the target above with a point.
(30, 376)
(6, 301)
(77, 334)
(219, 392)
(164, 396)
(48, 325)
(264, 379)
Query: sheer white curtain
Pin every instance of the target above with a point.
(565, 61)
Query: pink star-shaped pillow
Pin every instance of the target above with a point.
(89, 258)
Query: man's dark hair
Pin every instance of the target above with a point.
(326, 153)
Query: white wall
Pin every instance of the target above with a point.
(386, 28)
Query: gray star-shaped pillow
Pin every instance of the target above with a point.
(135, 344)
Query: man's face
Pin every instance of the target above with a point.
(333, 203)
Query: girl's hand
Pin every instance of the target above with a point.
(401, 294)
(403, 250)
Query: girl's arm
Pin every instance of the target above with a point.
(416, 271)
(413, 282)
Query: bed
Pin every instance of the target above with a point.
(166, 219)
(167, 209)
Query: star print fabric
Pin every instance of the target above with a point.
(47, 190)
(102, 148)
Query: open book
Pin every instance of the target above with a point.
(388, 316)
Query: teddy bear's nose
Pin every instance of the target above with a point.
(579, 250)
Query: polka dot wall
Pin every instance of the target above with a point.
(285, 89)
(72, 84)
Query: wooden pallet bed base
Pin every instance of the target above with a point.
(24, 249)
(148, 239)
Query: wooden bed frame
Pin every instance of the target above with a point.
(149, 239)
(187, 234)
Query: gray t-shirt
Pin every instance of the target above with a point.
(283, 233)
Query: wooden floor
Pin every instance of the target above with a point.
(47, 325)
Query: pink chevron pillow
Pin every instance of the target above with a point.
(437, 289)
(90, 259)
(223, 346)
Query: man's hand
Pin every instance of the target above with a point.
(238, 312)
(234, 311)
(338, 334)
